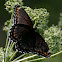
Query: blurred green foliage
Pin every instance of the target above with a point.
(39, 17)
(1, 54)
(11, 3)
(60, 22)
(53, 36)
(6, 54)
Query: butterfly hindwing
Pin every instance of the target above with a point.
(18, 30)
(23, 35)
(41, 46)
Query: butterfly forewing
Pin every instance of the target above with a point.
(21, 17)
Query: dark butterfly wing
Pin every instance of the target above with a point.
(22, 23)
(25, 37)
(28, 40)
(41, 46)
(17, 31)
(21, 17)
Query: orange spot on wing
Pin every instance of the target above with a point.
(14, 35)
(43, 52)
(17, 14)
(15, 26)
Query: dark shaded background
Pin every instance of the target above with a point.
(4, 16)
(54, 7)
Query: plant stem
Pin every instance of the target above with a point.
(25, 58)
(45, 58)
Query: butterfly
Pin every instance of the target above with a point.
(24, 35)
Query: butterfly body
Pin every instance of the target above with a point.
(25, 36)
